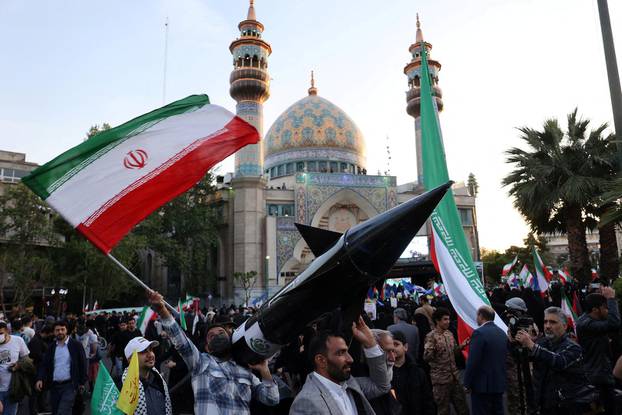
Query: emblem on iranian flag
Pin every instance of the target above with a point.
(136, 159)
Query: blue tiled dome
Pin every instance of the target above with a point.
(311, 127)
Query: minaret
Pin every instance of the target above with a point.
(413, 72)
(250, 87)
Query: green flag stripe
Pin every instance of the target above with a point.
(445, 218)
(45, 179)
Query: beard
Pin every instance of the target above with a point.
(339, 374)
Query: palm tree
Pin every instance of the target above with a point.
(557, 182)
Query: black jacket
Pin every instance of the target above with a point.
(557, 369)
(78, 364)
(593, 336)
(412, 389)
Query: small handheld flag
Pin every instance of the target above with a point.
(508, 267)
(182, 315)
(105, 394)
(128, 399)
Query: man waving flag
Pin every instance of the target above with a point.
(449, 249)
(113, 180)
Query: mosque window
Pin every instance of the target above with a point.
(312, 166)
(323, 166)
(289, 169)
(280, 209)
(273, 172)
(343, 167)
(287, 210)
(466, 216)
(281, 170)
(300, 166)
(333, 167)
(417, 82)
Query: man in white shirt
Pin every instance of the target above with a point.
(12, 348)
(330, 389)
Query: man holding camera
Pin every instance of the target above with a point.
(519, 386)
(601, 317)
(560, 385)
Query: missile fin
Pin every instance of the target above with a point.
(319, 240)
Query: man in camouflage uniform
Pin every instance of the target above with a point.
(439, 352)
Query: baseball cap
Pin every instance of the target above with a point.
(140, 344)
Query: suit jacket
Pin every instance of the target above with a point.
(411, 332)
(315, 399)
(485, 368)
(78, 364)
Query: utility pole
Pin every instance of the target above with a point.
(612, 74)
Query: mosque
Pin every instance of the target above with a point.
(310, 168)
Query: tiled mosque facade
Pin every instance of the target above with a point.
(309, 168)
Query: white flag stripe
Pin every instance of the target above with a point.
(79, 197)
(463, 298)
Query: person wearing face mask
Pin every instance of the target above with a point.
(12, 348)
(220, 385)
(560, 383)
(153, 397)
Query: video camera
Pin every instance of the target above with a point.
(518, 320)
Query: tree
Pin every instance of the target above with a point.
(557, 182)
(80, 265)
(246, 280)
(184, 232)
(472, 185)
(96, 129)
(26, 225)
(495, 260)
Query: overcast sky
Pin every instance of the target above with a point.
(67, 65)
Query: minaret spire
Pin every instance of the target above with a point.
(413, 71)
(313, 89)
(419, 31)
(251, 11)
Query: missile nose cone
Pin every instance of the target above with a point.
(377, 243)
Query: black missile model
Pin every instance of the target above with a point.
(346, 265)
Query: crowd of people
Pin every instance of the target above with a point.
(408, 360)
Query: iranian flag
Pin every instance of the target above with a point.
(526, 277)
(569, 311)
(543, 275)
(448, 245)
(146, 315)
(113, 180)
(188, 303)
(508, 267)
(564, 276)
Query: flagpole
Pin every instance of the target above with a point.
(135, 278)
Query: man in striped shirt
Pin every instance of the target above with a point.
(220, 385)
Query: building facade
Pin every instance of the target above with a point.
(310, 168)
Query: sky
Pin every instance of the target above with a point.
(67, 65)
